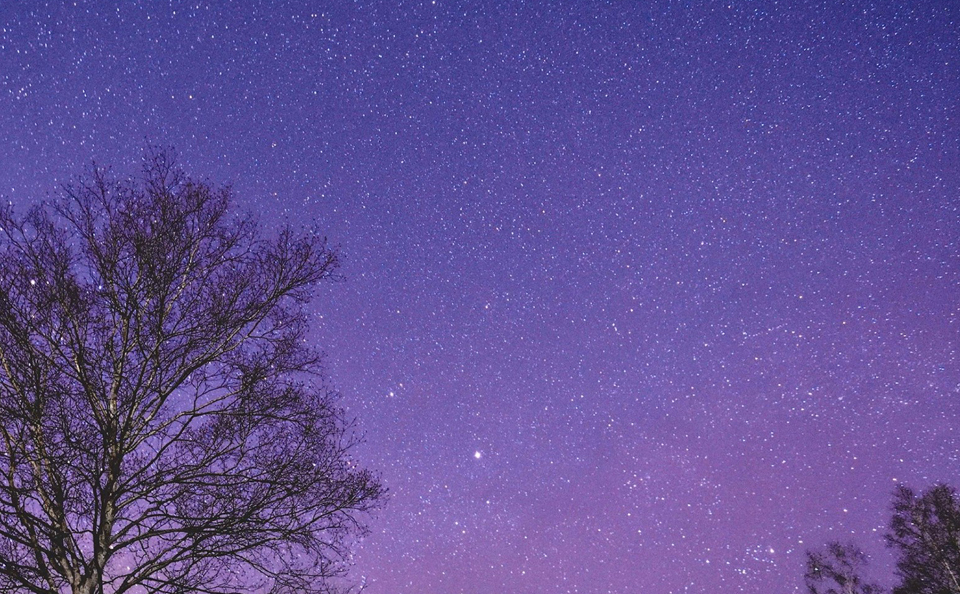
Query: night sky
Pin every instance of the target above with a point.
(639, 297)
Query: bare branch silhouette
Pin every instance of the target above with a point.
(164, 424)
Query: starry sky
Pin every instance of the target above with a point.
(638, 296)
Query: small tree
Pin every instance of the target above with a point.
(926, 532)
(164, 427)
(837, 570)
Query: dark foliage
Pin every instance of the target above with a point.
(164, 426)
(837, 570)
(925, 530)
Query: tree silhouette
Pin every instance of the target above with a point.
(837, 570)
(926, 532)
(164, 425)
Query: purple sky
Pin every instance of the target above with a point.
(641, 297)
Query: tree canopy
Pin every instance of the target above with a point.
(837, 570)
(925, 534)
(925, 530)
(165, 425)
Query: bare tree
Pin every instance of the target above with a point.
(165, 427)
(837, 570)
(926, 532)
